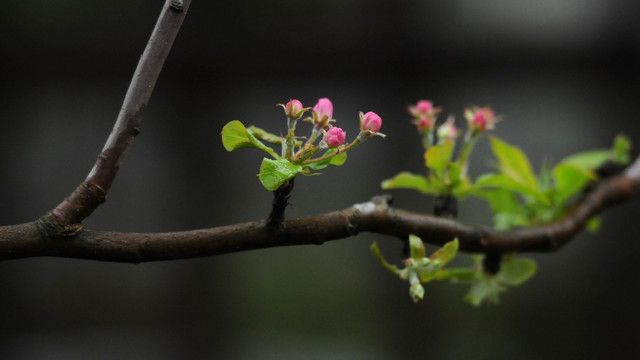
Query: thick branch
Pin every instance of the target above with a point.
(91, 193)
(20, 241)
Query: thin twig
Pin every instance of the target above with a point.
(93, 190)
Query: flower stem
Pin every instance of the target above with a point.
(465, 152)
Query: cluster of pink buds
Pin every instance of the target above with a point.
(322, 119)
(424, 115)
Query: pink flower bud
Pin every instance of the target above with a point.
(422, 109)
(370, 122)
(293, 109)
(448, 130)
(334, 137)
(424, 124)
(322, 113)
(480, 119)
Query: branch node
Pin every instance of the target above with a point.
(50, 226)
(177, 5)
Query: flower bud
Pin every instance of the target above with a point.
(448, 130)
(370, 122)
(322, 113)
(424, 125)
(293, 109)
(480, 119)
(424, 115)
(334, 137)
(422, 108)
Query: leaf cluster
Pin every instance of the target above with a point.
(278, 170)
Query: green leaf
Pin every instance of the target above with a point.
(335, 160)
(445, 254)
(504, 182)
(264, 135)
(274, 173)
(459, 275)
(235, 136)
(514, 164)
(500, 200)
(516, 271)
(621, 148)
(417, 248)
(406, 180)
(339, 159)
(437, 157)
(504, 221)
(588, 160)
(485, 288)
(376, 252)
(569, 180)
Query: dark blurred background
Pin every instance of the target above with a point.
(564, 74)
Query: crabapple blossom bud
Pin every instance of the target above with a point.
(334, 137)
(424, 115)
(293, 109)
(421, 109)
(322, 113)
(370, 122)
(448, 130)
(424, 125)
(480, 119)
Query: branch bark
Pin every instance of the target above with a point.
(375, 216)
(65, 219)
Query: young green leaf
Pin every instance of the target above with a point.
(516, 271)
(445, 254)
(485, 288)
(335, 160)
(274, 173)
(437, 157)
(505, 182)
(265, 136)
(339, 159)
(417, 248)
(500, 200)
(235, 136)
(376, 252)
(588, 160)
(406, 180)
(514, 164)
(621, 148)
(569, 180)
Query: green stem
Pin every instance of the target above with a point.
(290, 143)
(465, 152)
(305, 154)
(427, 140)
(328, 156)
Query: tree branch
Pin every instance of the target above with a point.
(67, 216)
(375, 216)
(60, 234)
